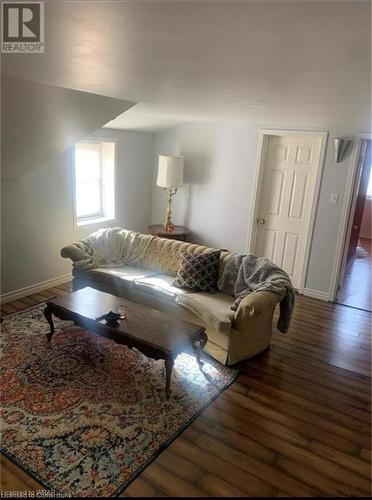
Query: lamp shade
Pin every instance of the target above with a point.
(170, 171)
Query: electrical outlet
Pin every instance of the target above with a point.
(334, 198)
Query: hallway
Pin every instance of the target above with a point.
(356, 289)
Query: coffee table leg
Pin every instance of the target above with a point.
(169, 362)
(48, 317)
(202, 343)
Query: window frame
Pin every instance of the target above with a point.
(100, 218)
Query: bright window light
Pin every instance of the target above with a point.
(94, 175)
(369, 188)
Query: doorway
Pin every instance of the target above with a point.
(354, 288)
(287, 189)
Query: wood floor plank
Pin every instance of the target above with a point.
(170, 483)
(181, 467)
(217, 487)
(13, 478)
(57, 291)
(142, 488)
(269, 426)
(212, 464)
(316, 363)
(8, 308)
(316, 351)
(302, 427)
(264, 390)
(283, 408)
(191, 434)
(340, 360)
(365, 454)
(298, 389)
(323, 483)
(287, 448)
(355, 389)
(236, 440)
(353, 463)
(266, 472)
(309, 368)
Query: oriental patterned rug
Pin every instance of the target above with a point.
(83, 415)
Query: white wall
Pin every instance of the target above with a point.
(216, 203)
(219, 175)
(37, 210)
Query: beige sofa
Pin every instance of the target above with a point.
(232, 336)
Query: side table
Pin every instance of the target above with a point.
(179, 232)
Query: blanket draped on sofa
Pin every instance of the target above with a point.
(244, 274)
(112, 247)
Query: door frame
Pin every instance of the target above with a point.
(346, 218)
(263, 141)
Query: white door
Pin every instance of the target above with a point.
(291, 165)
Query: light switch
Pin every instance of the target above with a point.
(334, 198)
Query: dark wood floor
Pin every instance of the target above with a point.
(295, 423)
(356, 289)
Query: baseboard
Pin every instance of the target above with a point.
(315, 294)
(39, 287)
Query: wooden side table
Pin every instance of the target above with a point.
(179, 232)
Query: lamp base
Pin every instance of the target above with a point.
(168, 224)
(169, 227)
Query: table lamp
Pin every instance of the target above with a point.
(170, 177)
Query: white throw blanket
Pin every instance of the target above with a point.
(114, 247)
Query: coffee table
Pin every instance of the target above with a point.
(152, 332)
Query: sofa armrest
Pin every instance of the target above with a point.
(255, 304)
(76, 252)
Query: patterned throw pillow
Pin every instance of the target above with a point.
(198, 272)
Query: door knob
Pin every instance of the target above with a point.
(261, 221)
(355, 227)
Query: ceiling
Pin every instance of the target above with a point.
(304, 62)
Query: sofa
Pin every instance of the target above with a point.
(148, 278)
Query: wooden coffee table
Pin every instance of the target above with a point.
(152, 332)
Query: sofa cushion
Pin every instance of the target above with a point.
(198, 272)
(214, 309)
(163, 255)
(125, 275)
(160, 285)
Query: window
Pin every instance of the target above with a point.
(94, 176)
(369, 188)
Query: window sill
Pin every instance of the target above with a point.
(95, 220)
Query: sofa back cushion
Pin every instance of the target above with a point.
(163, 255)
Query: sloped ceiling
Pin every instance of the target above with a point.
(39, 121)
(298, 61)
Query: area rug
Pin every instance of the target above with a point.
(83, 415)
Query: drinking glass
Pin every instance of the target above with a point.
(122, 310)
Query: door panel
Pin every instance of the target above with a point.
(270, 241)
(304, 155)
(276, 189)
(290, 169)
(298, 195)
(290, 253)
